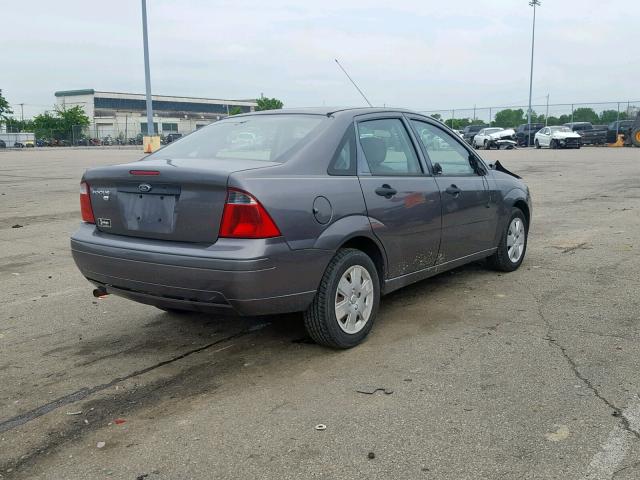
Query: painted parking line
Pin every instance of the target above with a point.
(612, 453)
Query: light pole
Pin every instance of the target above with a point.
(546, 117)
(534, 4)
(147, 75)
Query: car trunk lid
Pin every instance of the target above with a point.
(169, 199)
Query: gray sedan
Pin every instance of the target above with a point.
(314, 211)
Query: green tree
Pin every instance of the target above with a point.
(72, 117)
(608, 116)
(436, 116)
(265, 103)
(509, 118)
(14, 125)
(61, 124)
(585, 114)
(235, 111)
(5, 108)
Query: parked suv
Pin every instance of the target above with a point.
(525, 133)
(329, 211)
(172, 137)
(471, 131)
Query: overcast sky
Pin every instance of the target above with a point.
(421, 54)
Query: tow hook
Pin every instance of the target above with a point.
(100, 292)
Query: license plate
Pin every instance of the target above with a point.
(148, 212)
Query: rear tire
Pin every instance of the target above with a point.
(538, 144)
(339, 292)
(506, 258)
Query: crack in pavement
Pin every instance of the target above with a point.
(617, 412)
(83, 393)
(620, 470)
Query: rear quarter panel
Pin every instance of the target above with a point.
(290, 199)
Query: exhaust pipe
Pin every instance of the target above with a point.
(100, 292)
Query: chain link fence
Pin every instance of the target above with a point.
(129, 130)
(111, 131)
(510, 116)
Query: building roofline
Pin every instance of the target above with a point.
(100, 93)
(73, 93)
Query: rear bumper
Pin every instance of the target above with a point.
(247, 277)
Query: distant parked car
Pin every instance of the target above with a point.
(334, 209)
(526, 132)
(470, 131)
(495, 137)
(18, 145)
(172, 137)
(591, 134)
(482, 136)
(557, 137)
(3, 144)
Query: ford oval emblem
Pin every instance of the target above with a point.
(144, 187)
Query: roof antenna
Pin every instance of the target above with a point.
(354, 83)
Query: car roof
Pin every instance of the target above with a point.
(330, 111)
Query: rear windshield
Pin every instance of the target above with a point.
(258, 137)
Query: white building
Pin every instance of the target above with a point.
(124, 114)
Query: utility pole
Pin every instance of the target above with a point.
(534, 4)
(21, 112)
(147, 74)
(546, 117)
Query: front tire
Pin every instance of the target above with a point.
(513, 244)
(346, 303)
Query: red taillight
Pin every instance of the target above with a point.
(244, 217)
(144, 172)
(85, 203)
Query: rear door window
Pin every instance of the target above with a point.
(387, 147)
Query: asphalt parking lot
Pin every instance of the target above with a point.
(532, 374)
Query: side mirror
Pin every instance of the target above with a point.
(477, 166)
(437, 169)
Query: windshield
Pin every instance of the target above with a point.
(560, 129)
(252, 137)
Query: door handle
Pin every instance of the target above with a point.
(453, 190)
(386, 191)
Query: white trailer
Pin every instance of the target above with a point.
(23, 139)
